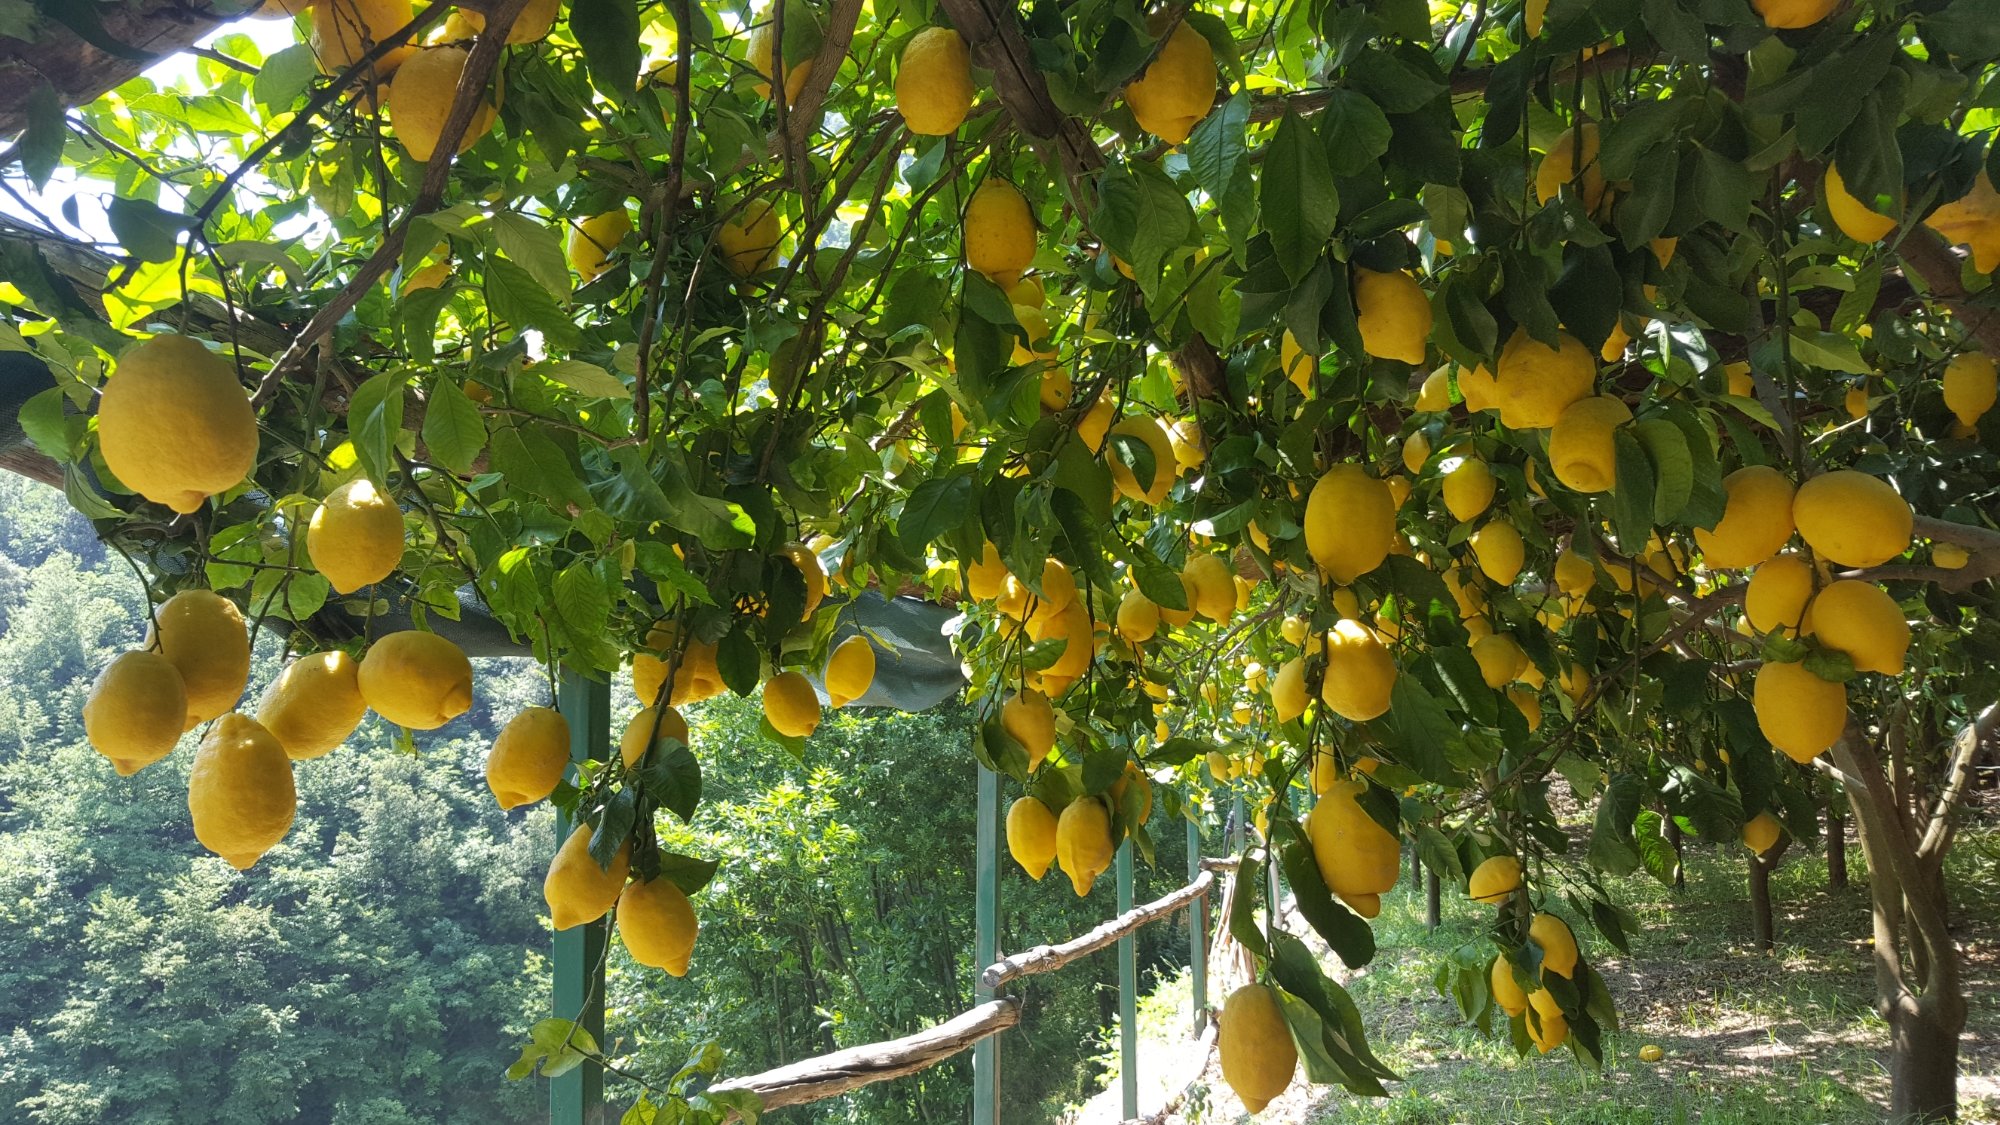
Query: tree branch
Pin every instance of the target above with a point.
(1937, 833)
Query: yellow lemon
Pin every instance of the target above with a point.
(649, 728)
(1524, 699)
(1255, 1046)
(592, 242)
(1547, 1025)
(695, 679)
(1651, 1053)
(355, 537)
(1468, 489)
(203, 634)
(1288, 690)
(1297, 366)
(1175, 92)
(1500, 659)
(657, 924)
(240, 792)
(1863, 621)
(1507, 992)
(1571, 163)
(1756, 519)
(1150, 432)
(1950, 556)
(1393, 314)
(850, 671)
(1476, 385)
(1416, 451)
(428, 277)
(1852, 519)
(417, 680)
(1083, 842)
(1133, 777)
(1855, 219)
(1029, 720)
(576, 888)
(421, 96)
(1138, 617)
(174, 424)
(1856, 402)
(345, 30)
(314, 704)
(530, 26)
(986, 576)
(529, 757)
(1031, 836)
(1970, 386)
(1495, 879)
(1798, 711)
(1760, 832)
(749, 240)
(136, 711)
(1793, 14)
(1559, 952)
(1534, 383)
(1360, 673)
(1583, 447)
(1435, 395)
(1350, 522)
(1777, 594)
(1096, 423)
(999, 232)
(1574, 574)
(1498, 549)
(810, 569)
(790, 705)
(1974, 221)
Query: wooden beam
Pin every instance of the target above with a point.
(80, 72)
(1047, 958)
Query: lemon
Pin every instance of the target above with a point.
(1798, 711)
(531, 25)
(1083, 842)
(314, 704)
(1434, 397)
(1500, 659)
(1393, 314)
(1288, 690)
(1583, 447)
(1138, 617)
(1255, 1046)
(1852, 519)
(986, 576)
(934, 83)
(421, 96)
(576, 888)
(1863, 621)
(1056, 388)
(1495, 880)
(592, 242)
(345, 30)
(1574, 680)
(1742, 384)
(529, 757)
(1534, 383)
(791, 705)
(1468, 489)
(1507, 993)
(174, 424)
(1356, 856)
(1970, 386)
(202, 633)
(695, 679)
(1855, 219)
(1547, 1025)
(1574, 575)
(764, 49)
(1096, 423)
(749, 240)
(850, 671)
(1950, 556)
(1466, 592)
(1498, 549)
(1360, 673)
(1760, 833)
(417, 680)
(1973, 220)
(1298, 367)
(240, 792)
(1651, 1053)
(355, 538)
(1175, 92)
(1148, 430)
(1399, 493)
(645, 730)
(1793, 14)
(429, 277)
(1615, 343)
(1031, 836)
(1756, 519)
(1325, 773)
(657, 924)
(1558, 944)
(1777, 594)
(999, 232)
(1416, 451)
(1856, 402)
(136, 711)
(810, 569)
(1133, 777)
(1572, 164)
(1350, 523)
(1214, 592)
(1524, 699)
(1478, 388)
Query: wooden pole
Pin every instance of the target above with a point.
(986, 945)
(1128, 991)
(577, 1098)
(1047, 958)
(814, 1079)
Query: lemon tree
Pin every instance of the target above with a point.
(1415, 406)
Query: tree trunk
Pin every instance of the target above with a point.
(1923, 1063)
(1674, 841)
(1432, 904)
(1836, 847)
(1760, 904)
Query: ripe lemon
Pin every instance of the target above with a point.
(1756, 519)
(657, 924)
(1856, 401)
(1793, 14)
(1800, 713)
(1468, 489)
(1559, 952)
(695, 679)
(592, 242)
(530, 26)
(1500, 659)
(1416, 451)
(1435, 395)
(1863, 621)
(1177, 89)
(1498, 549)
(749, 241)
(850, 671)
(1574, 680)
(1360, 673)
(1356, 856)
(1852, 519)
(314, 704)
(1153, 434)
(1478, 388)
(1255, 1046)
(1534, 383)
(421, 96)
(1393, 314)
(791, 705)
(999, 232)
(1583, 448)
(1742, 384)
(1574, 574)
(1760, 833)
(1096, 422)
(1974, 221)
(1350, 523)
(810, 569)
(576, 889)
(1131, 778)
(1031, 836)
(417, 680)
(240, 792)
(1288, 690)
(986, 575)
(1138, 617)
(1569, 163)
(1325, 772)
(934, 82)
(1970, 386)
(1507, 992)
(1950, 556)
(345, 30)
(1651, 1053)
(428, 277)
(1855, 219)
(174, 424)
(645, 730)
(1214, 591)
(764, 49)
(529, 757)
(1298, 367)
(1495, 879)
(1083, 842)
(1777, 594)
(202, 633)
(136, 711)
(1547, 1025)
(355, 537)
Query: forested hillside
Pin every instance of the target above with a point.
(380, 966)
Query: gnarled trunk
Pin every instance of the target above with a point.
(1923, 1062)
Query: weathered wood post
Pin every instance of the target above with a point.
(577, 1098)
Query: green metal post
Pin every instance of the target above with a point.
(1128, 993)
(1197, 935)
(577, 1098)
(986, 944)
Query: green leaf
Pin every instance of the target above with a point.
(934, 507)
(1175, 751)
(1423, 736)
(1392, 82)
(687, 872)
(1296, 199)
(40, 146)
(737, 659)
(582, 599)
(146, 231)
(516, 298)
(1722, 190)
(534, 246)
(1656, 855)
(43, 419)
(1637, 130)
(1632, 496)
(284, 76)
(533, 463)
(1243, 908)
(374, 419)
(1612, 848)
(1438, 855)
(608, 31)
(454, 432)
(1673, 466)
(1828, 350)
(1298, 973)
(614, 827)
(1346, 932)
(1354, 131)
(1969, 29)
(672, 777)
(1142, 216)
(586, 379)
(1680, 32)
(1218, 145)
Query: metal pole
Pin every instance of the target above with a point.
(577, 1098)
(1197, 935)
(1128, 992)
(986, 944)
